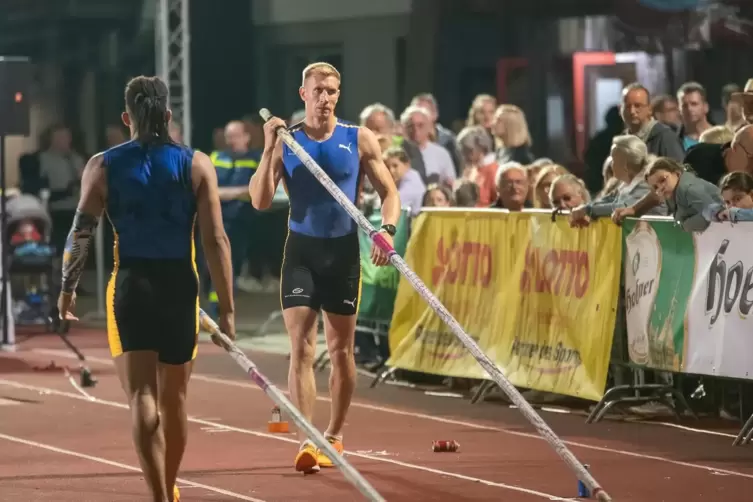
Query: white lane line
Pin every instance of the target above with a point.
(207, 423)
(691, 429)
(448, 421)
(126, 467)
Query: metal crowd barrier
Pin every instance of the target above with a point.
(638, 392)
(376, 331)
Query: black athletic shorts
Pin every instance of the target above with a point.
(321, 273)
(154, 305)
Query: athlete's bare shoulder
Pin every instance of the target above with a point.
(93, 184)
(368, 144)
(96, 160)
(200, 158)
(202, 169)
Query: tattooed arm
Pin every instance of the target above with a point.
(84, 223)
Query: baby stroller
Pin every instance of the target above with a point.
(31, 261)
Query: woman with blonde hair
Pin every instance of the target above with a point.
(510, 128)
(481, 112)
(533, 173)
(630, 158)
(543, 183)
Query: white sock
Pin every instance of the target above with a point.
(328, 436)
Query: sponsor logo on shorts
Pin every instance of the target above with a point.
(352, 302)
(297, 292)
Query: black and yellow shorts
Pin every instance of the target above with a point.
(154, 305)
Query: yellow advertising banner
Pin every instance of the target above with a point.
(538, 297)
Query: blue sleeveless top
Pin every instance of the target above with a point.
(150, 200)
(313, 211)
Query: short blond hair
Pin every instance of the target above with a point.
(718, 135)
(321, 69)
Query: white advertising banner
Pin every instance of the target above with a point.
(718, 323)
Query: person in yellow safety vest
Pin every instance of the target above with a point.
(235, 167)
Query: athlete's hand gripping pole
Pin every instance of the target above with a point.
(284, 403)
(491, 369)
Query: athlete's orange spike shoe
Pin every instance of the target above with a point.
(324, 460)
(176, 494)
(306, 461)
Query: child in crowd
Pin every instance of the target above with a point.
(437, 196)
(466, 193)
(737, 192)
(686, 194)
(409, 183)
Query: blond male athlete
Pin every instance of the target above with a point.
(321, 265)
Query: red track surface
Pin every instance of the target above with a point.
(57, 445)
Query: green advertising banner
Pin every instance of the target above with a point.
(659, 261)
(379, 284)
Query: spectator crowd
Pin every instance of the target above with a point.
(663, 156)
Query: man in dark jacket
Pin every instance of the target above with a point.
(636, 113)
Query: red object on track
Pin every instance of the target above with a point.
(445, 446)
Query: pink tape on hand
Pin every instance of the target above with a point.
(382, 244)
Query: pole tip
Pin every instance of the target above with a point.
(602, 496)
(265, 114)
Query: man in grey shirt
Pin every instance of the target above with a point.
(416, 122)
(443, 136)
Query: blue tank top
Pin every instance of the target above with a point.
(313, 211)
(150, 200)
